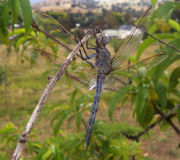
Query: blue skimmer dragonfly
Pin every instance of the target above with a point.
(107, 65)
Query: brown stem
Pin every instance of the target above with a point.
(166, 44)
(51, 37)
(86, 84)
(167, 119)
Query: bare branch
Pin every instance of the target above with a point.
(51, 37)
(86, 84)
(23, 139)
(165, 116)
(77, 79)
(167, 119)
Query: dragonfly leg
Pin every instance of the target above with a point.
(75, 37)
(87, 57)
(90, 48)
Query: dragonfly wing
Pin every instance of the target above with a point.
(100, 83)
(131, 43)
(148, 62)
(128, 48)
(115, 81)
(92, 84)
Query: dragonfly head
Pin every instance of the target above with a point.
(102, 38)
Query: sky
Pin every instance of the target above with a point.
(34, 1)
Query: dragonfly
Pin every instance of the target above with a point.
(106, 64)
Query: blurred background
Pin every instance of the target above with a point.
(29, 60)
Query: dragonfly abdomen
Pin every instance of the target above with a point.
(100, 82)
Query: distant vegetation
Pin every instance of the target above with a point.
(106, 19)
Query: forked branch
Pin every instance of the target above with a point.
(23, 139)
(176, 129)
(164, 116)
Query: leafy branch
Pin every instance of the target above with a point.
(57, 41)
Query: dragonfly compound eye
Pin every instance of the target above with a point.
(106, 39)
(102, 39)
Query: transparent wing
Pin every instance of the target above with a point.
(148, 62)
(130, 44)
(125, 76)
(128, 48)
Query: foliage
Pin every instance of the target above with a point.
(106, 144)
(109, 20)
(14, 6)
(151, 85)
(156, 84)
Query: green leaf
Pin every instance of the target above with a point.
(170, 104)
(78, 118)
(164, 11)
(26, 12)
(22, 40)
(60, 109)
(152, 29)
(141, 97)
(158, 69)
(153, 2)
(14, 5)
(59, 122)
(17, 31)
(146, 115)
(176, 92)
(162, 94)
(3, 33)
(5, 13)
(84, 99)
(149, 41)
(172, 23)
(173, 80)
(117, 97)
(10, 127)
(73, 95)
(178, 114)
(4, 20)
(47, 154)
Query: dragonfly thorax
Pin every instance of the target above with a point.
(103, 61)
